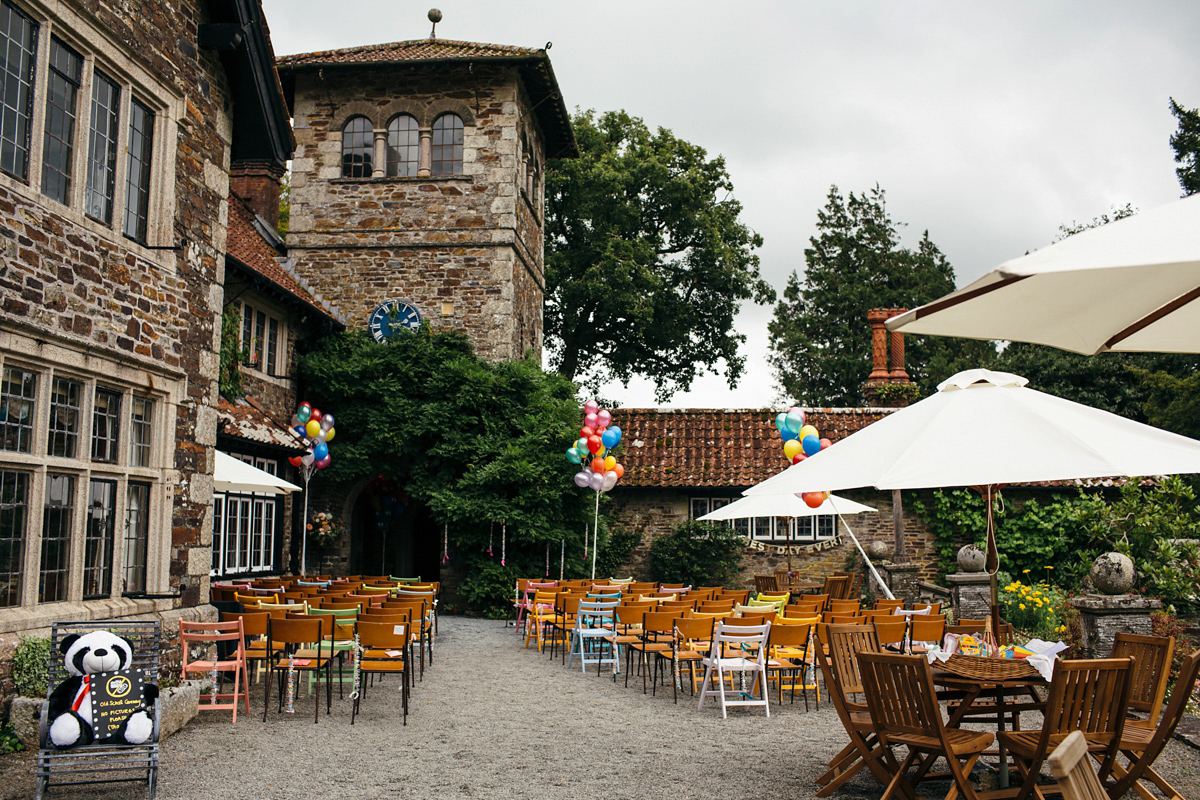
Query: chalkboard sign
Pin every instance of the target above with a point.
(115, 696)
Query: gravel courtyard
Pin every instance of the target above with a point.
(492, 720)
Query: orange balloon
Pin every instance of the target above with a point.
(598, 466)
(620, 470)
(814, 499)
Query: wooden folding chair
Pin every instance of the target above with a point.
(1090, 695)
(1071, 767)
(1151, 668)
(207, 637)
(384, 650)
(1142, 746)
(904, 712)
(293, 635)
(790, 651)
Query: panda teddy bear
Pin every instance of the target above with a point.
(70, 703)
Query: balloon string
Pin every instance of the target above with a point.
(562, 559)
(491, 530)
(547, 560)
(445, 542)
(585, 541)
(503, 541)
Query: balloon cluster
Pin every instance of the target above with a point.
(801, 440)
(600, 470)
(316, 429)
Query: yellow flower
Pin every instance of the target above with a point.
(1022, 605)
(1049, 566)
(1025, 571)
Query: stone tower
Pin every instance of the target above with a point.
(418, 182)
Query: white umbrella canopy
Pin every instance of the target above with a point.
(232, 475)
(985, 428)
(783, 505)
(1132, 285)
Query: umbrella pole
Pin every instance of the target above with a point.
(870, 566)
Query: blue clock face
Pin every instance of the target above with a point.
(391, 317)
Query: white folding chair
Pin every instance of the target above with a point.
(738, 651)
(595, 626)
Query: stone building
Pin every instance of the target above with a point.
(417, 188)
(273, 312)
(121, 125)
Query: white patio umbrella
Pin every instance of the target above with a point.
(233, 475)
(792, 505)
(986, 429)
(1132, 285)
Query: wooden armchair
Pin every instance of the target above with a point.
(1071, 767)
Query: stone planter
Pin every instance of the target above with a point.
(179, 704)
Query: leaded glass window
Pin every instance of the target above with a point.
(18, 393)
(137, 172)
(58, 148)
(14, 497)
(403, 147)
(137, 536)
(141, 427)
(63, 440)
(57, 519)
(18, 55)
(447, 145)
(98, 545)
(106, 425)
(102, 148)
(358, 148)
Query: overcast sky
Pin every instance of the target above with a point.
(987, 124)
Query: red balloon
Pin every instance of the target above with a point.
(825, 443)
(598, 466)
(814, 499)
(796, 459)
(586, 431)
(324, 462)
(295, 461)
(316, 414)
(594, 444)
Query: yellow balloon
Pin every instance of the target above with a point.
(610, 462)
(808, 430)
(791, 447)
(329, 434)
(312, 427)
(600, 453)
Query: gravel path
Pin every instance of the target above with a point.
(492, 720)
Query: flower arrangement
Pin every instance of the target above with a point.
(1035, 609)
(325, 528)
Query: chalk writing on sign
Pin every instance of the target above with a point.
(115, 695)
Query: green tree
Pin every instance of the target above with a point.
(646, 258)
(1185, 141)
(477, 442)
(697, 554)
(820, 337)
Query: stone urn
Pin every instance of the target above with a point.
(1112, 573)
(971, 558)
(878, 551)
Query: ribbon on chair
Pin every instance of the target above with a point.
(214, 677)
(290, 705)
(503, 540)
(356, 666)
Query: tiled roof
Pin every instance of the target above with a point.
(716, 447)
(533, 66)
(411, 50)
(711, 448)
(247, 242)
(246, 419)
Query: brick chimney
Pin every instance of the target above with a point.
(258, 183)
(887, 362)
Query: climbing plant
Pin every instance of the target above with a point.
(478, 442)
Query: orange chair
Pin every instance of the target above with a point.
(204, 635)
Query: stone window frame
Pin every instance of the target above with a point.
(531, 175)
(424, 114)
(102, 51)
(50, 361)
(768, 529)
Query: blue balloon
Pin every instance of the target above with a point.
(616, 431)
(610, 437)
(788, 435)
(321, 450)
(573, 455)
(811, 445)
(300, 430)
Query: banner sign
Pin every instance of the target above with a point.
(115, 696)
(795, 549)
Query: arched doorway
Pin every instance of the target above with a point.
(390, 535)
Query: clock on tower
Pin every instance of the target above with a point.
(392, 316)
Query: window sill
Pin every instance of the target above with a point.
(25, 618)
(403, 179)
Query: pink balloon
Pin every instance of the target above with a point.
(825, 443)
(591, 420)
(582, 478)
(591, 407)
(324, 462)
(603, 416)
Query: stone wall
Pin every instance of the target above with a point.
(454, 246)
(655, 512)
(69, 282)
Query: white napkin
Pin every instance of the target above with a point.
(1044, 656)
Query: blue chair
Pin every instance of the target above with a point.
(595, 625)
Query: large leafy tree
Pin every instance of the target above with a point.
(647, 260)
(820, 337)
(477, 442)
(1186, 144)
